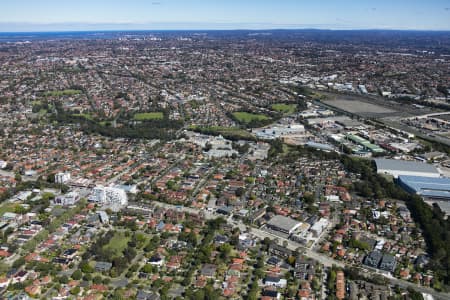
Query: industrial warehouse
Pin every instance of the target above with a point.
(397, 168)
(283, 224)
(427, 187)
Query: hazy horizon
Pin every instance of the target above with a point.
(84, 15)
(69, 27)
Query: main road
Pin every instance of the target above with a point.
(321, 258)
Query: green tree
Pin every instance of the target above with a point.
(77, 275)
(75, 290)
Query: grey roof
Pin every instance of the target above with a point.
(274, 247)
(208, 270)
(283, 222)
(272, 279)
(143, 295)
(225, 209)
(373, 259)
(320, 146)
(427, 187)
(388, 263)
(103, 265)
(404, 165)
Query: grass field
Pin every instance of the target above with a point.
(118, 243)
(62, 93)
(148, 116)
(358, 107)
(86, 116)
(245, 117)
(284, 108)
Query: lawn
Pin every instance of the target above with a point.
(105, 123)
(118, 243)
(284, 108)
(86, 116)
(245, 117)
(149, 116)
(7, 207)
(62, 93)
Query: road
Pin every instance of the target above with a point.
(12, 175)
(321, 258)
(203, 181)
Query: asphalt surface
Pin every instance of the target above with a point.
(321, 258)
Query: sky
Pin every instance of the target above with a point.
(69, 15)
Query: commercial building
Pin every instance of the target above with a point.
(280, 251)
(429, 188)
(397, 168)
(279, 131)
(320, 146)
(319, 227)
(62, 177)
(283, 224)
(381, 261)
(388, 263)
(373, 259)
(365, 143)
(108, 196)
(66, 200)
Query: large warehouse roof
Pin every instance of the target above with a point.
(283, 222)
(427, 186)
(404, 165)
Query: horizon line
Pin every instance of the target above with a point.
(222, 29)
(27, 27)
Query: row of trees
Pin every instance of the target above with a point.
(436, 229)
(164, 129)
(232, 134)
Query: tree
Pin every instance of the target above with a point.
(315, 284)
(86, 268)
(18, 177)
(291, 260)
(147, 269)
(414, 295)
(63, 279)
(332, 280)
(225, 250)
(18, 262)
(75, 290)
(97, 279)
(77, 275)
(19, 209)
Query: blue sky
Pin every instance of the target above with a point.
(36, 15)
